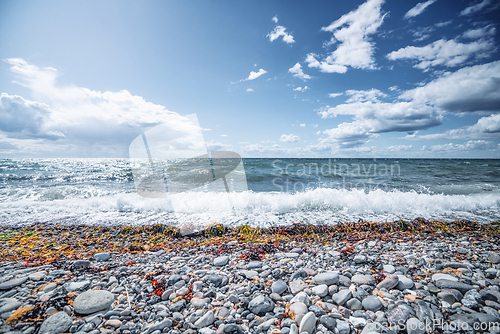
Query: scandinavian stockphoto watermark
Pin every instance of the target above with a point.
(172, 162)
(333, 173)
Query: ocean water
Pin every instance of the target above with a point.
(276, 192)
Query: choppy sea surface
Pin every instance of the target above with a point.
(280, 191)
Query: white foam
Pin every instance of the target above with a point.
(318, 206)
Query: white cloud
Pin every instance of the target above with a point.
(443, 24)
(303, 125)
(364, 95)
(334, 94)
(482, 32)
(301, 89)
(399, 148)
(249, 90)
(223, 135)
(82, 120)
(291, 138)
(486, 127)
(418, 9)
(254, 75)
(443, 52)
(278, 32)
(352, 32)
(470, 89)
(298, 72)
(475, 8)
(471, 145)
(26, 119)
(393, 88)
(275, 19)
(372, 118)
(217, 146)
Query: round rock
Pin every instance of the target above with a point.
(327, 278)
(372, 303)
(56, 323)
(279, 287)
(308, 323)
(92, 301)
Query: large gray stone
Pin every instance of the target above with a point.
(328, 278)
(363, 279)
(279, 287)
(308, 323)
(102, 256)
(342, 296)
(372, 303)
(415, 326)
(207, 319)
(13, 283)
(448, 284)
(260, 305)
(92, 301)
(320, 290)
(436, 277)
(404, 283)
(221, 261)
(9, 304)
(56, 323)
(297, 286)
(299, 308)
(398, 314)
(494, 257)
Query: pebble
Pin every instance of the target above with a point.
(13, 283)
(308, 323)
(372, 303)
(57, 323)
(102, 256)
(327, 278)
(221, 261)
(279, 287)
(93, 301)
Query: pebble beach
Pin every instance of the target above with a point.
(400, 277)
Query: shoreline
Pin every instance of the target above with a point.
(349, 278)
(48, 242)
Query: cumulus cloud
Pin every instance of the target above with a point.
(301, 89)
(254, 75)
(486, 127)
(471, 145)
(335, 94)
(26, 119)
(443, 52)
(291, 138)
(372, 117)
(364, 95)
(352, 31)
(275, 19)
(475, 7)
(470, 89)
(80, 118)
(297, 71)
(482, 32)
(249, 90)
(278, 32)
(418, 9)
(302, 125)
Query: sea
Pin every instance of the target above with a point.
(261, 192)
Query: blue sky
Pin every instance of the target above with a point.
(265, 79)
